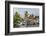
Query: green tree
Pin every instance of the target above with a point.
(26, 13)
(17, 19)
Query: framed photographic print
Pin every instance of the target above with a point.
(24, 17)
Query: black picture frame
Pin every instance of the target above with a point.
(7, 17)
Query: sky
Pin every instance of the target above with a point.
(21, 11)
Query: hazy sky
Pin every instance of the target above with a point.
(21, 11)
